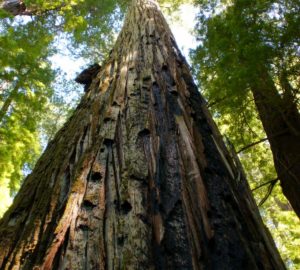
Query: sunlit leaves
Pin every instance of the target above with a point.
(25, 77)
(77, 23)
(238, 39)
(30, 113)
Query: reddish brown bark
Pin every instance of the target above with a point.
(139, 177)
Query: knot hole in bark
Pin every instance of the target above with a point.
(107, 119)
(143, 133)
(168, 78)
(125, 207)
(142, 140)
(147, 81)
(88, 205)
(108, 142)
(96, 176)
(83, 227)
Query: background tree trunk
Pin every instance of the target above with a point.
(281, 121)
(139, 177)
(15, 7)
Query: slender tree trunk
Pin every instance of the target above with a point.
(281, 121)
(7, 102)
(139, 177)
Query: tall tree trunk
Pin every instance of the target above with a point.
(139, 177)
(15, 7)
(281, 121)
(6, 105)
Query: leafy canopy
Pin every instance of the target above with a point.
(238, 39)
(34, 95)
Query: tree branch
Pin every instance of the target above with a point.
(262, 140)
(271, 184)
(216, 101)
(252, 144)
(266, 183)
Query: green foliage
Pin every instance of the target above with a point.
(235, 36)
(238, 39)
(35, 98)
(97, 25)
(25, 77)
(30, 109)
(284, 225)
(170, 7)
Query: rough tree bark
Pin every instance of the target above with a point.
(139, 177)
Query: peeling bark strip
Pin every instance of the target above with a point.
(139, 177)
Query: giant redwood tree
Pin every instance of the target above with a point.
(250, 50)
(138, 178)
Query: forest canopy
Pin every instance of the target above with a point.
(235, 39)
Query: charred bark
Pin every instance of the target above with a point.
(139, 177)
